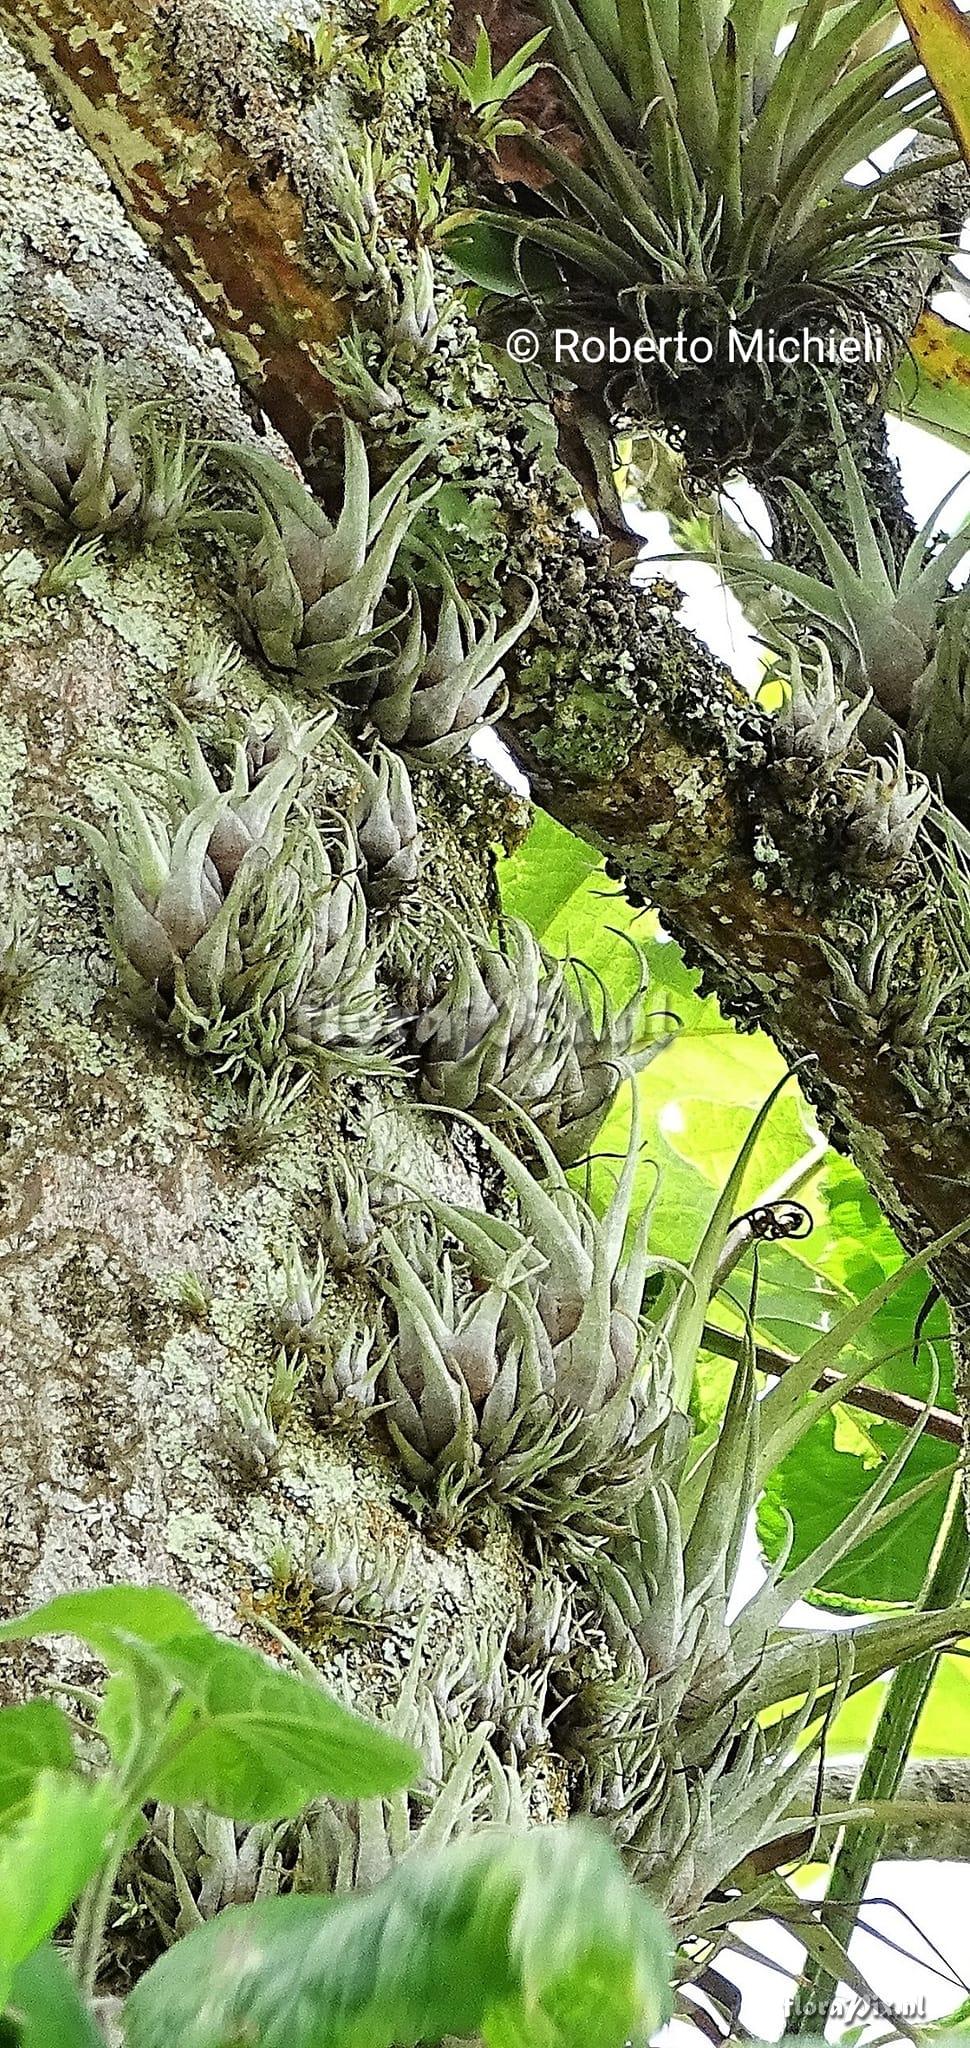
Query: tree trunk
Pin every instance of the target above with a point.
(145, 1229)
(149, 1222)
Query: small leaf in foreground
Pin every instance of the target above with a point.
(100, 1612)
(536, 1937)
(265, 1742)
(46, 1861)
(45, 2008)
(33, 1738)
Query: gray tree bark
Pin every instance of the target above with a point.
(126, 1449)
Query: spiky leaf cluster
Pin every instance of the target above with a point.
(194, 1864)
(234, 926)
(81, 465)
(938, 739)
(410, 316)
(516, 1023)
(692, 1714)
(886, 806)
(813, 732)
(716, 154)
(387, 830)
(308, 586)
(884, 617)
(339, 1015)
(521, 1367)
(431, 697)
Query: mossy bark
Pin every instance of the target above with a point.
(142, 1250)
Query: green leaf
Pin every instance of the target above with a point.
(819, 1484)
(46, 1861)
(494, 258)
(534, 1938)
(932, 380)
(45, 2009)
(33, 1738)
(940, 36)
(151, 1612)
(259, 1743)
(541, 876)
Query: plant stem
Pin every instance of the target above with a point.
(92, 1914)
(882, 1768)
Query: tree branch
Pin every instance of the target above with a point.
(884, 1402)
(936, 1781)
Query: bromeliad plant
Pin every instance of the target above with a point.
(520, 1367)
(508, 1931)
(516, 1023)
(79, 459)
(885, 617)
(938, 736)
(235, 925)
(716, 155)
(547, 1357)
(432, 696)
(490, 1936)
(309, 587)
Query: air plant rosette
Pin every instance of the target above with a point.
(515, 1023)
(521, 1368)
(235, 926)
(881, 619)
(714, 160)
(97, 464)
(432, 693)
(309, 587)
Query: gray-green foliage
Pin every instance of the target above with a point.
(532, 1364)
(512, 1022)
(715, 154)
(81, 464)
(309, 586)
(534, 1935)
(431, 696)
(883, 618)
(186, 1716)
(236, 924)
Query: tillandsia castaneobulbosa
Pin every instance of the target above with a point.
(813, 732)
(387, 829)
(516, 1023)
(690, 1721)
(78, 457)
(885, 617)
(715, 154)
(521, 1365)
(432, 696)
(233, 925)
(339, 1016)
(308, 586)
(702, 1761)
(886, 806)
(74, 450)
(193, 1863)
